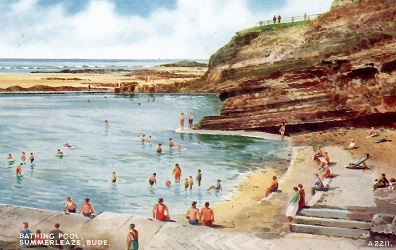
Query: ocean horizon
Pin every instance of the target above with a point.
(29, 65)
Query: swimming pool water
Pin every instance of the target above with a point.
(44, 123)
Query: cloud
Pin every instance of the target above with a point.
(193, 29)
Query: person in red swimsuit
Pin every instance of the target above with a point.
(160, 211)
(177, 172)
(182, 121)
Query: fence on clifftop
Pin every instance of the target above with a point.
(284, 22)
(292, 19)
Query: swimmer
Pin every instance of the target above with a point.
(190, 182)
(177, 172)
(153, 180)
(70, 206)
(31, 158)
(199, 177)
(159, 149)
(106, 123)
(67, 145)
(168, 183)
(9, 158)
(18, 170)
(199, 142)
(143, 140)
(179, 147)
(170, 144)
(150, 139)
(59, 152)
(87, 209)
(23, 157)
(88, 101)
(186, 185)
(217, 187)
(113, 177)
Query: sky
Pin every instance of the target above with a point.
(134, 29)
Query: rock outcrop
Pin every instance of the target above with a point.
(339, 70)
(384, 224)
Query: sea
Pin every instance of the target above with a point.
(43, 123)
(26, 66)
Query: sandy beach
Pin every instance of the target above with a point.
(101, 81)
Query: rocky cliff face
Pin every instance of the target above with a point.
(339, 70)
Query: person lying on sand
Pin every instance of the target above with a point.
(383, 140)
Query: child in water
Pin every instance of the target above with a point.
(113, 177)
(199, 177)
(186, 184)
(190, 182)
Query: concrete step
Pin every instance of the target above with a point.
(330, 231)
(353, 224)
(337, 214)
(206, 241)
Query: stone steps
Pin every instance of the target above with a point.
(333, 222)
(330, 231)
(341, 223)
(337, 214)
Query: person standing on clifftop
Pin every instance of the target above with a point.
(282, 130)
(279, 18)
(274, 19)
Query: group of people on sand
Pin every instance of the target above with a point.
(323, 161)
(86, 209)
(297, 202)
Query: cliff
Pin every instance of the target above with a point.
(338, 70)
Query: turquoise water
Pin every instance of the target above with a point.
(44, 123)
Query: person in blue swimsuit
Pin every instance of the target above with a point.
(217, 187)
